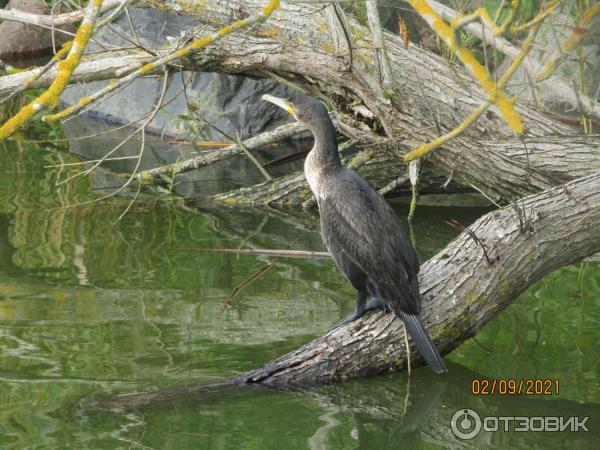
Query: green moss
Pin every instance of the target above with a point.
(450, 331)
(471, 298)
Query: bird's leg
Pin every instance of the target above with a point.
(361, 308)
(361, 300)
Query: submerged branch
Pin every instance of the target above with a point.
(205, 159)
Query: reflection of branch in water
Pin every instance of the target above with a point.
(246, 282)
(142, 129)
(289, 224)
(538, 333)
(487, 349)
(376, 408)
(139, 400)
(319, 439)
(253, 277)
(259, 229)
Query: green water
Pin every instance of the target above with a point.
(89, 309)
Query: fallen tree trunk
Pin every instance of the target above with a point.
(429, 95)
(465, 285)
(503, 170)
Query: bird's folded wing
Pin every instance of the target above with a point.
(365, 227)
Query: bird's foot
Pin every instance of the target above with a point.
(377, 304)
(371, 306)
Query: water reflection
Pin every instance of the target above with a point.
(88, 308)
(386, 412)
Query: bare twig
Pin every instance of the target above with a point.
(81, 163)
(113, 15)
(141, 129)
(462, 228)
(267, 252)
(270, 137)
(196, 45)
(556, 85)
(252, 158)
(472, 118)
(478, 71)
(49, 20)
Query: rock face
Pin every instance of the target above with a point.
(212, 101)
(214, 107)
(20, 42)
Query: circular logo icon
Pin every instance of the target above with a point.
(465, 424)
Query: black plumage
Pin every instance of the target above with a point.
(361, 231)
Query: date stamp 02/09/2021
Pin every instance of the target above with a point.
(514, 387)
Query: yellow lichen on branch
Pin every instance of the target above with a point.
(541, 16)
(65, 69)
(482, 13)
(472, 118)
(185, 51)
(570, 43)
(447, 33)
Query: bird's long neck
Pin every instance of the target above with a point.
(324, 153)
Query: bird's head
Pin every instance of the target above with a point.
(306, 110)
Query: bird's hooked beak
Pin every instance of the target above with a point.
(281, 102)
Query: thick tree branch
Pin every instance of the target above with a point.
(99, 67)
(270, 137)
(461, 290)
(504, 170)
(430, 98)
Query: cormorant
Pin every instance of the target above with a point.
(360, 230)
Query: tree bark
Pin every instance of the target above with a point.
(503, 170)
(306, 44)
(430, 97)
(465, 285)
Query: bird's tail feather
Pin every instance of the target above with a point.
(423, 342)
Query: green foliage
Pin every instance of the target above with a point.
(527, 10)
(360, 10)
